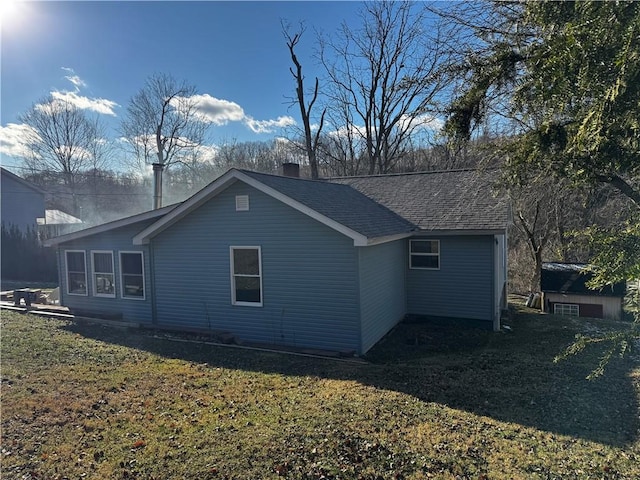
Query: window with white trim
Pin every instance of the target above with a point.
(568, 309)
(246, 276)
(103, 274)
(132, 275)
(424, 254)
(76, 272)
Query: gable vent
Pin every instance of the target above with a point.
(242, 203)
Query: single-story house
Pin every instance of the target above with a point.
(565, 292)
(326, 264)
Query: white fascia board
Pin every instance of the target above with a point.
(105, 227)
(186, 207)
(358, 239)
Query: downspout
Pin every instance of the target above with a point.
(495, 310)
(61, 288)
(152, 289)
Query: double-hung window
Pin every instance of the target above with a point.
(132, 275)
(103, 275)
(76, 272)
(246, 276)
(424, 254)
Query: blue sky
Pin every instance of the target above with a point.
(99, 54)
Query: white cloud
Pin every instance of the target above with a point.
(74, 152)
(99, 105)
(76, 81)
(355, 130)
(420, 122)
(268, 126)
(426, 122)
(73, 78)
(207, 153)
(13, 140)
(221, 112)
(213, 110)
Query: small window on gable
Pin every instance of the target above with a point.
(424, 254)
(242, 203)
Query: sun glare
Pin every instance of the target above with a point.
(10, 11)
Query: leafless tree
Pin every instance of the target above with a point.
(63, 139)
(546, 210)
(163, 125)
(384, 79)
(257, 156)
(343, 149)
(311, 138)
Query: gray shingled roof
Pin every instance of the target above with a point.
(340, 203)
(446, 200)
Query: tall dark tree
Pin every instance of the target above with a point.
(311, 138)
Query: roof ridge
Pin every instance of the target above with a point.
(377, 175)
(253, 172)
(400, 174)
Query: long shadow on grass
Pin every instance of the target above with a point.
(507, 376)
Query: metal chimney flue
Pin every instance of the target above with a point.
(157, 185)
(291, 169)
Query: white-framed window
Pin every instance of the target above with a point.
(104, 283)
(246, 276)
(76, 272)
(132, 275)
(424, 254)
(568, 309)
(242, 203)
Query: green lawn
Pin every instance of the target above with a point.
(432, 402)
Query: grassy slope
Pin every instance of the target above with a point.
(434, 403)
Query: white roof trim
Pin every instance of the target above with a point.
(221, 184)
(123, 222)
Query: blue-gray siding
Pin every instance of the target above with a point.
(462, 287)
(21, 205)
(309, 274)
(382, 289)
(134, 310)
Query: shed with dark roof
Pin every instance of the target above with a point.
(328, 264)
(566, 291)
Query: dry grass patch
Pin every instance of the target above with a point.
(93, 402)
